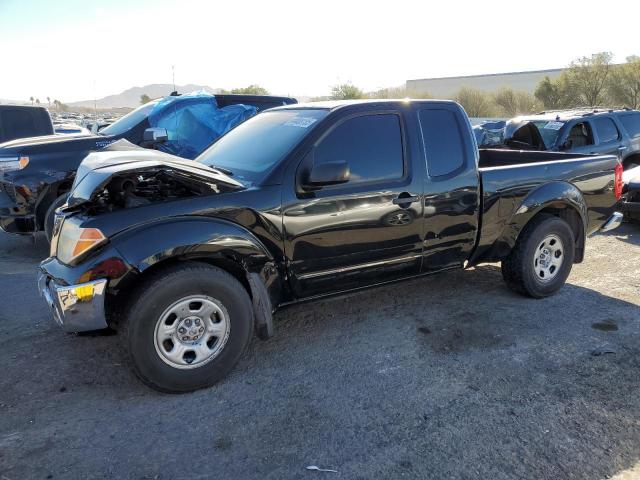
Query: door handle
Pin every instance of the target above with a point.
(404, 200)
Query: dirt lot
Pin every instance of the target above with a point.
(450, 376)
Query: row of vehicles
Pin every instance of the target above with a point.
(36, 173)
(188, 258)
(588, 131)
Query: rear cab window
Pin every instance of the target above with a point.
(22, 123)
(443, 141)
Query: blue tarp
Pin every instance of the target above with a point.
(489, 133)
(194, 121)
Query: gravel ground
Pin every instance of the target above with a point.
(450, 376)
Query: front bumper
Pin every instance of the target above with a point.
(76, 308)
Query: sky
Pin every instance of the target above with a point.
(82, 49)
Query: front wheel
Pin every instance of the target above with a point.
(187, 327)
(540, 262)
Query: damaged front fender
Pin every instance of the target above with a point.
(215, 241)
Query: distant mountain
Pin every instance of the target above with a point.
(131, 97)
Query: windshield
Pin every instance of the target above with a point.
(549, 130)
(251, 149)
(130, 120)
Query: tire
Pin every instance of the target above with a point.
(150, 349)
(526, 271)
(50, 216)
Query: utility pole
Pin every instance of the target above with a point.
(95, 104)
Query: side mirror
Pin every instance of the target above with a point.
(330, 173)
(155, 135)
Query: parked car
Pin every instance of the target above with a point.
(187, 258)
(18, 121)
(67, 128)
(38, 172)
(594, 131)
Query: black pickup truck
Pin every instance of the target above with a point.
(187, 258)
(37, 173)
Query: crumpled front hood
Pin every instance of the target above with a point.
(98, 168)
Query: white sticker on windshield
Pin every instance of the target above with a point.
(554, 125)
(301, 122)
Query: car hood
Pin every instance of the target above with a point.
(98, 168)
(55, 143)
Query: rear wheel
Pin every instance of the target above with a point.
(187, 327)
(50, 216)
(540, 262)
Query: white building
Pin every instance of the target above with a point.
(447, 87)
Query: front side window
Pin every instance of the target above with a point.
(580, 135)
(606, 129)
(370, 144)
(443, 141)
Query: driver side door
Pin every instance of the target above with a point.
(367, 230)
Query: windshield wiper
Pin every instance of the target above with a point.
(226, 171)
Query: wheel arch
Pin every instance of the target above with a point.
(560, 199)
(218, 243)
(48, 196)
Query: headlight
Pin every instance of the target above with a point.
(74, 241)
(9, 164)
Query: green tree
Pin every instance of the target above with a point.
(475, 102)
(37, 101)
(32, 99)
(624, 87)
(513, 102)
(557, 93)
(49, 101)
(250, 90)
(346, 91)
(547, 92)
(588, 77)
(144, 98)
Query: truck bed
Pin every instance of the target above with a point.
(494, 157)
(509, 177)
